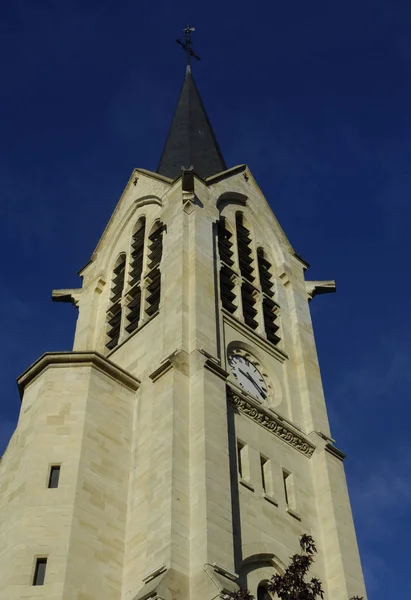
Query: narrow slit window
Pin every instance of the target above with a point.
(269, 306)
(135, 277)
(153, 278)
(286, 480)
(40, 571)
(246, 266)
(227, 275)
(54, 476)
(264, 465)
(249, 302)
(290, 493)
(240, 448)
(115, 310)
(244, 249)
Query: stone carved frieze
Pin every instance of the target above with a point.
(270, 422)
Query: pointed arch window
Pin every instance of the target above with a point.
(153, 277)
(114, 313)
(246, 282)
(270, 308)
(135, 276)
(245, 263)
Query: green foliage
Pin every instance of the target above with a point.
(293, 585)
(241, 595)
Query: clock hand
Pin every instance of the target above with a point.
(249, 377)
(252, 381)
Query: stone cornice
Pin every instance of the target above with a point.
(266, 418)
(212, 364)
(334, 451)
(153, 175)
(225, 174)
(76, 359)
(165, 366)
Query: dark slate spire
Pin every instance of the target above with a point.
(191, 140)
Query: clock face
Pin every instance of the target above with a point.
(248, 376)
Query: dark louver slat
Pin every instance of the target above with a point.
(114, 311)
(224, 244)
(119, 269)
(115, 320)
(154, 298)
(244, 250)
(115, 308)
(155, 253)
(135, 301)
(134, 281)
(226, 256)
(248, 301)
(112, 343)
(153, 275)
(227, 276)
(133, 325)
(269, 306)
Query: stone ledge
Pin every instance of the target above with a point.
(246, 484)
(225, 174)
(270, 499)
(215, 368)
(211, 364)
(293, 514)
(265, 418)
(166, 364)
(255, 337)
(76, 359)
(130, 335)
(334, 451)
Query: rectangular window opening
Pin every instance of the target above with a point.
(40, 571)
(264, 464)
(286, 480)
(240, 448)
(54, 476)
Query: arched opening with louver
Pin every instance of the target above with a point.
(268, 305)
(135, 276)
(227, 275)
(153, 277)
(114, 312)
(262, 591)
(246, 266)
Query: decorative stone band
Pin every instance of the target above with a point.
(269, 421)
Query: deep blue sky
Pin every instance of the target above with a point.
(315, 98)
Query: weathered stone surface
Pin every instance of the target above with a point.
(148, 451)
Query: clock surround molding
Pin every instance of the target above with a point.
(234, 350)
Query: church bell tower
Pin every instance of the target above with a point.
(182, 447)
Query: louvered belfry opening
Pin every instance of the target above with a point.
(245, 262)
(135, 275)
(269, 306)
(115, 309)
(155, 252)
(227, 275)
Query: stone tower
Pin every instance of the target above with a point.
(182, 447)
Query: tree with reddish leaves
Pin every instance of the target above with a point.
(293, 585)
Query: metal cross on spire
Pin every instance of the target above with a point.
(185, 43)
